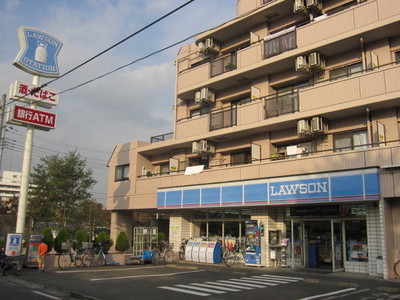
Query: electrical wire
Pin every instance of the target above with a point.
(37, 89)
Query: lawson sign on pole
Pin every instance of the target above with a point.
(38, 53)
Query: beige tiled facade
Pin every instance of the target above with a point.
(283, 92)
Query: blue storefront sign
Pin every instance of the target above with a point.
(322, 188)
(38, 53)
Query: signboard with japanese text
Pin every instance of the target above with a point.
(14, 244)
(23, 115)
(45, 97)
(38, 53)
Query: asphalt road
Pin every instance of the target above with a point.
(180, 281)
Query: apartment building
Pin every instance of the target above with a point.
(10, 185)
(287, 115)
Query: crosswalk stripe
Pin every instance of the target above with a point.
(211, 285)
(273, 279)
(233, 284)
(248, 283)
(183, 291)
(241, 283)
(199, 289)
(282, 277)
(258, 281)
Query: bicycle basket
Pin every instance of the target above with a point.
(65, 245)
(87, 245)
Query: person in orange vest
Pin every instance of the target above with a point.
(42, 251)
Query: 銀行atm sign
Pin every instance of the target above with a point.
(31, 116)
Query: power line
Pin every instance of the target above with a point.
(101, 53)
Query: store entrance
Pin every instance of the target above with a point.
(323, 245)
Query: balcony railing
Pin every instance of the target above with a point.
(161, 137)
(367, 156)
(223, 64)
(282, 103)
(280, 42)
(223, 119)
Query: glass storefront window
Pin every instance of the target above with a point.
(231, 214)
(356, 240)
(215, 214)
(199, 214)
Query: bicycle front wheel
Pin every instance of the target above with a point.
(397, 269)
(100, 260)
(64, 261)
(229, 257)
(156, 259)
(182, 254)
(78, 258)
(169, 257)
(87, 259)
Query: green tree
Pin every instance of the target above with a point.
(60, 185)
(104, 239)
(80, 237)
(62, 237)
(48, 238)
(122, 242)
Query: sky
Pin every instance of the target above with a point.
(134, 103)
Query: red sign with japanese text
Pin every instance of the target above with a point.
(25, 92)
(33, 116)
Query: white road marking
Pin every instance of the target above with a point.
(328, 294)
(183, 291)
(211, 285)
(46, 295)
(199, 289)
(85, 270)
(144, 276)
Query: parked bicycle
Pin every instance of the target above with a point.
(164, 254)
(69, 256)
(182, 249)
(94, 258)
(234, 252)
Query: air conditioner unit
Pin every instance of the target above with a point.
(212, 46)
(299, 6)
(197, 97)
(303, 127)
(316, 61)
(201, 47)
(318, 125)
(195, 147)
(302, 64)
(314, 5)
(205, 95)
(203, 147)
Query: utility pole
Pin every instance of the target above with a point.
(2, 113)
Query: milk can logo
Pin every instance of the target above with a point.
(38, 53)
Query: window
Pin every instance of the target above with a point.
(351, 141)
(397, 56)
(198, 161)
(295, 150)
(240, 158)
(345, 71)
(122, 172)
(164, 168)
(200, 111)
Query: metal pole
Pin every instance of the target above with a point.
(26, 166)
(2, 112)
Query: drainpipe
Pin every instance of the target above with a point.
(369, 126)
(363, 55)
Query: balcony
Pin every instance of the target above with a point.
(281, 104)
(161, 137)
(223, 119)
(224, 64)
(330, 34)
(316, 162)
